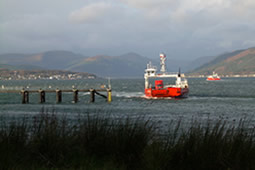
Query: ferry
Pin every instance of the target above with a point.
(213, 77)
(160, 90)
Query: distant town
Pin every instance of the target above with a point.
(230, 75)
(6, 74)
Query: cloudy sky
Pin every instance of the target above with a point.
(183, 29)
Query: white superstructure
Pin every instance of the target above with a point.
(151, 72)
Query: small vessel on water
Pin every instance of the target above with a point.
(213, 77)
(178, 90)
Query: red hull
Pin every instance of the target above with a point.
(173, 92)
(213, 78)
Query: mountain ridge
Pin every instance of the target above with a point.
(236, 62)
(59, 59)
(130, 64)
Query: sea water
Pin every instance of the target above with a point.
(230, 99)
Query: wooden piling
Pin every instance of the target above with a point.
(58, 96)
(23, 101)
(92, 95)
(25, 96)
(75, 95)
(109, 95)
(99, 94)
(41, 96)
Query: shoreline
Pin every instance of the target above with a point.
(225, 76)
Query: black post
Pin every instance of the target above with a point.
(26, 97)
(58, 96)
(23, 96)
(75, 95)
(41, 96)
(92, 95)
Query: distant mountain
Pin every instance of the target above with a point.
(20, 67)
(236, 62)
(127, 65)
(46, 60)
(194, 64)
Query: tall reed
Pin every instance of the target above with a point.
(93, 141)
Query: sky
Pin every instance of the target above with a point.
(183, 29)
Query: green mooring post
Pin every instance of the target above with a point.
(109, 95)
(92, 95)
(41, 96)
(58, 96)
(75, 95)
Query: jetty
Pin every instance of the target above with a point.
(42, 93)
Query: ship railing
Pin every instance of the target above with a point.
(167, 74)
(171, 73)
(150, 66)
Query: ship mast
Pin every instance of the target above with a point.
(162, 63)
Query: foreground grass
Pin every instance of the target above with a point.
(48, 141)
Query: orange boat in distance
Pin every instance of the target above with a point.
(178, 90)
(213, 77)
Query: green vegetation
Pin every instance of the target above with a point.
(237, 62)
(50, 141)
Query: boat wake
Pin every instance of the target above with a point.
(128, 94)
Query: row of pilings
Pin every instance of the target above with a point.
(42, 94)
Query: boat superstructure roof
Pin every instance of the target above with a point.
(151, 72)
(214, 75)
(167, 75)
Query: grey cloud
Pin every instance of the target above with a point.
(91, 13)
(187, 28)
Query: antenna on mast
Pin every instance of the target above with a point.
(162, 62)
(109, 83)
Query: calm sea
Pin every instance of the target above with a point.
(230, 98)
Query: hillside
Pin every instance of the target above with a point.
(46, 60)
(237, 62)
(19, 67)
(194, 64)
(128, 65)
